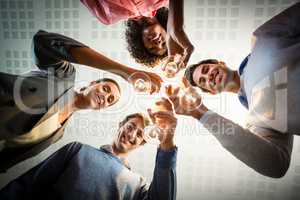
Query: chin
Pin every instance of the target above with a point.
(96, 106)
(121, 147)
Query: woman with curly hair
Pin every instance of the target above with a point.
(153, 31)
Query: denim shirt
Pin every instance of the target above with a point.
(79, 171)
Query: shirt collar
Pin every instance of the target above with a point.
(243, 65)
(241, 94)
(109, 150)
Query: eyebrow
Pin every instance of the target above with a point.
(200, 79)
(111, 97)
(107, 86)
(204, 66)
(133, 124)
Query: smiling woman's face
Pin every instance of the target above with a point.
(102, 95)
(154, 39)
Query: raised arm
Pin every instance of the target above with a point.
(163, 186)
(52, 49)
(264, 150)
(35, 183)
(176, 31)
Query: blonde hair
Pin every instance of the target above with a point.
(144, 118)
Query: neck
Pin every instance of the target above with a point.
(67, 110)
(117, 152)
(80, 101)
(235, 84)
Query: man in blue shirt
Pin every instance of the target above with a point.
(79, 171)
(267, 84)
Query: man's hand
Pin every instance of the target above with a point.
(165, 119)
(180, 103)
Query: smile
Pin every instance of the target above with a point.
(99, 99)
(216, 77)
(123, 139)
(156, 39)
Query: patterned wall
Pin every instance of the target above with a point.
(218, 28)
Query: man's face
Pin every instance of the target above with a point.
(212, 77)
(130, 135)
(154, 39)
(102, 95)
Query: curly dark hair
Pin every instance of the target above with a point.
(134, 38)
(188, 74)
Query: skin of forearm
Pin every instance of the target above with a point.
(89, 57)
(182, 39)
(175, 15)
(167, 143)
(175, 25)
(198, 113)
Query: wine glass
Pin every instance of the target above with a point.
(140, 85)
(172, 65)
(191, 97)
(141, 82)
(171, 69)
(153, 131)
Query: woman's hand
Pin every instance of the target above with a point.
(175, 28)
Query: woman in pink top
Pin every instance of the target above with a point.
(152, 31)
(112, 11)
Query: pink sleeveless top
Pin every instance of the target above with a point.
(112, 11)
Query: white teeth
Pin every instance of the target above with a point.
(215, 78)
(99, 100)
(96, 99)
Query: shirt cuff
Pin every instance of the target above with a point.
(166, 159)
(205, 117)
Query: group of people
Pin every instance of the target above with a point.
(35, 107)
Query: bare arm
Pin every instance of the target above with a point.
(89, 57)
(176, 29)
(53, 50)
(264, 150)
